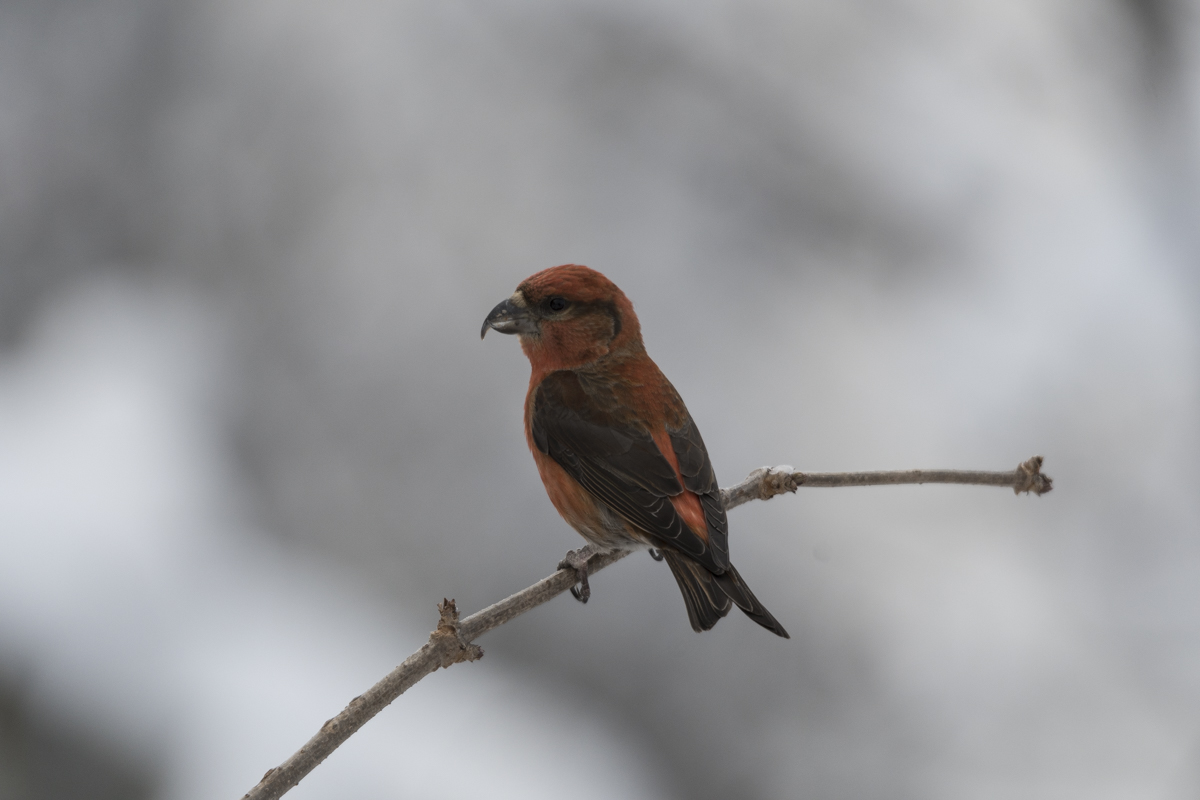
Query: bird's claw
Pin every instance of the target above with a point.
(578, 561)
(657, 556)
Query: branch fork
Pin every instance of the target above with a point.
(446, 640)
(1031, 479)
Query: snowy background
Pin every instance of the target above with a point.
(249, 436)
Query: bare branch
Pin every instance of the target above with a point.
(451, 642)
(444, 648)
(448, 645)
(766, 482)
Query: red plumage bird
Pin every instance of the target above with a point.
(616, 448)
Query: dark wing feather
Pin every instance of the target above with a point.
(621, 466)
(698, 477)
(708, 597)
(706, 601)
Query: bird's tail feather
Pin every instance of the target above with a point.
(708, 597)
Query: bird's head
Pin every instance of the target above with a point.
(567, 317)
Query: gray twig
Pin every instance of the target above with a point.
(766, 482)
(452, 641)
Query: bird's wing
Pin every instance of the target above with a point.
(620, 465)
(700, 479)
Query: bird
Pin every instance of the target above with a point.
(617, 451)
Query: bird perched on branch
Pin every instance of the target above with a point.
(616, 448)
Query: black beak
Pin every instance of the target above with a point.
(509, 317)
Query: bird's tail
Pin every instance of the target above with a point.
(708, 597)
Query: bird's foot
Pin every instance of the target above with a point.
(657, 556)
(578, 561)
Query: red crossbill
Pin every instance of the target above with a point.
(616, 448)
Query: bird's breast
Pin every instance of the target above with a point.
(594, 520)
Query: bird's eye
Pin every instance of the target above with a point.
(556, 304)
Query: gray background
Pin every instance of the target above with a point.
(249, 436)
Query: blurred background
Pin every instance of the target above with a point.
(249, 435)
